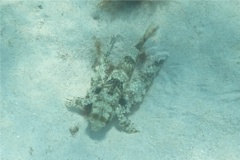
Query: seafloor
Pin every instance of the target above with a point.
(191, 112)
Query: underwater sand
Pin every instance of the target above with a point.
(191, 112)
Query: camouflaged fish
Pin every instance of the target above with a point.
(115, 89)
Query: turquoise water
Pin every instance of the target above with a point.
(191, 111)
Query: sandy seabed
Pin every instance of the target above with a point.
(191, 112)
